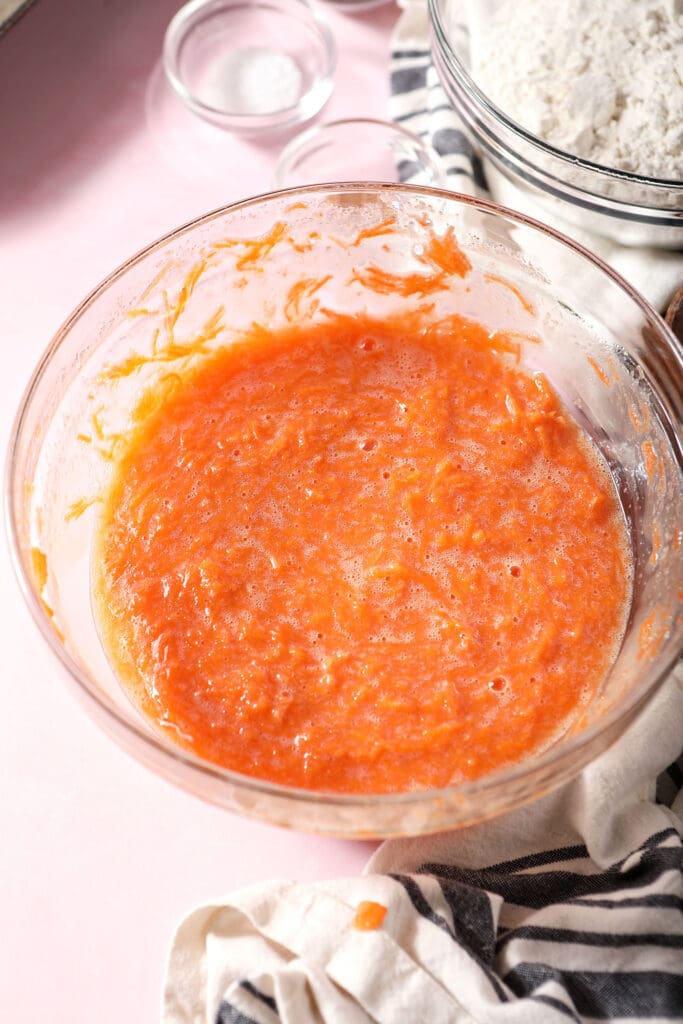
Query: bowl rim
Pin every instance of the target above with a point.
(468, 83)
(194, 12)
(170, 754)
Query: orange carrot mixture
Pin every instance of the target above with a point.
(362, 557)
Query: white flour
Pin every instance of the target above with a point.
(599, 79)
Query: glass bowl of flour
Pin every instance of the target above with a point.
(577, 109)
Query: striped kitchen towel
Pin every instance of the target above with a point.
(570, 909)
(418, 102)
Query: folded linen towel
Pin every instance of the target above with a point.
(419, 103)
(570, 909)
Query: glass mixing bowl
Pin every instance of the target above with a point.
(357, 149)
(530, 175)
(612, 359)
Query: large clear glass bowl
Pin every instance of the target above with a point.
(613, 360)
(530, 175)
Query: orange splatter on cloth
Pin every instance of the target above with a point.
(359, 557)
(369, 916)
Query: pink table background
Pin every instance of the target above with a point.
(98, 858)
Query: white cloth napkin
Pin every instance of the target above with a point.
(419, 103)
(570, 909)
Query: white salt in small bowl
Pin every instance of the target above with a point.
(250, 66)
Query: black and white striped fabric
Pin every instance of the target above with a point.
(570, 909)
(418, 102)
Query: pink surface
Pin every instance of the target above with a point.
(99, 859)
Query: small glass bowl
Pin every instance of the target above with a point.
(360, 149)
(250, 66)
(528, 174)
(612, 359)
